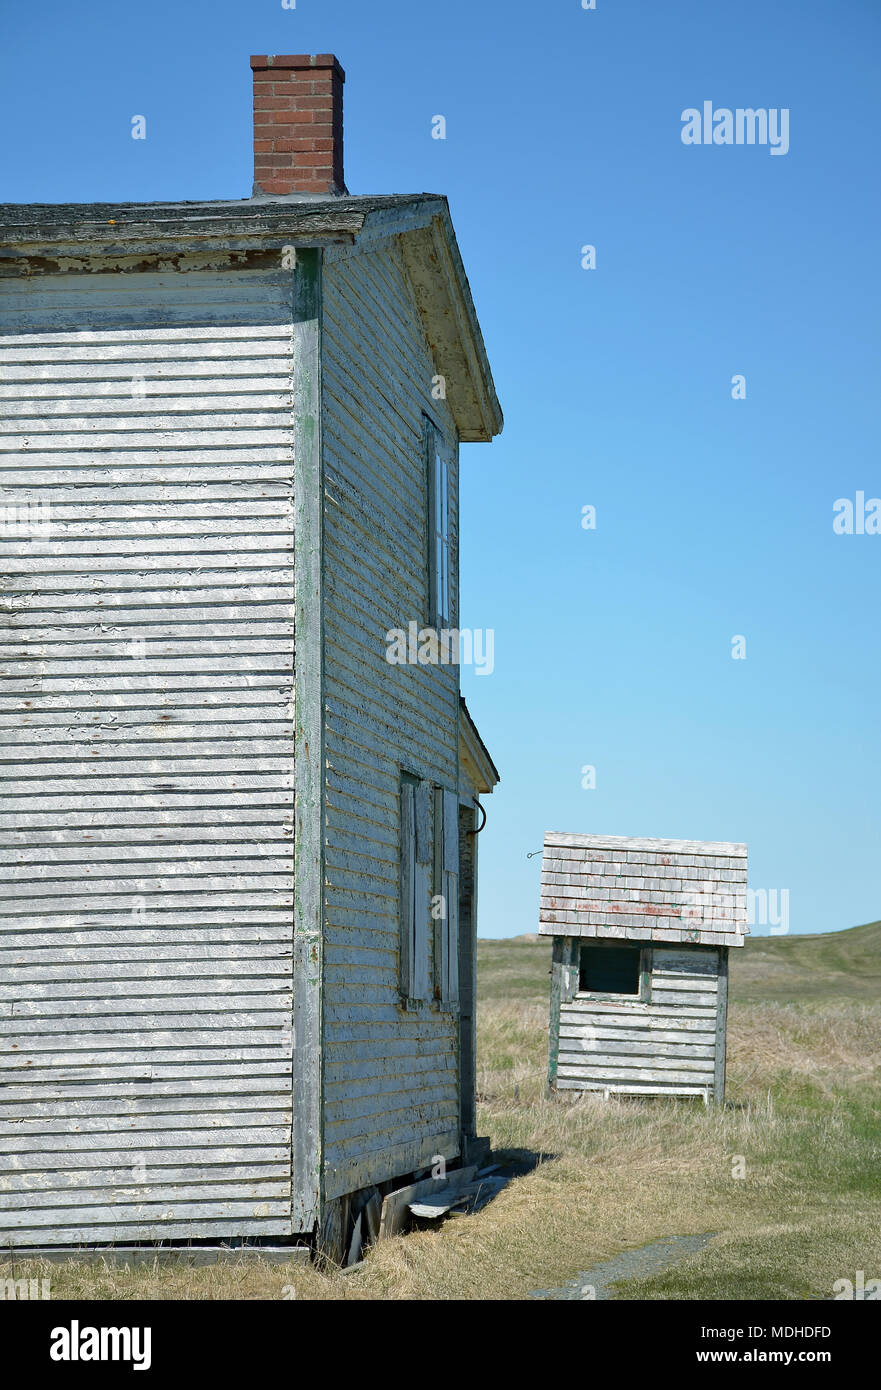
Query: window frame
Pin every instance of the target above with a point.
(446, 889)
(415, 864)
(644, 992)
(440, 459)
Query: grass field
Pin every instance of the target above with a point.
(788, 1176)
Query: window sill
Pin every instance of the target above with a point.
(618, 1001)
(412, 1006)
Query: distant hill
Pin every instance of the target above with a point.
(780, 968)
(809, 967)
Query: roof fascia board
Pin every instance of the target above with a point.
(466, 318)
(451, 326)
(716, 848)
(473, 752)
(143, 240)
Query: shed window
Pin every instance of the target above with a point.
(440, 565)
(610, 970)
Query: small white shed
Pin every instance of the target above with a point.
(642, 929)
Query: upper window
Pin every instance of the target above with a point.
(440, 566)
(610, 970)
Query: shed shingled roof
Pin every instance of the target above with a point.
(615, 886)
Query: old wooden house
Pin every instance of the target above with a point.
(237, 925)
(642, 930)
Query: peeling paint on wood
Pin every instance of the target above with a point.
(145, 946)
(204, 884)
(380, 719)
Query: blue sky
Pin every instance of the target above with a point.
(714, 516)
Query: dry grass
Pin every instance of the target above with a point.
(831, 1045)
(803, 1113)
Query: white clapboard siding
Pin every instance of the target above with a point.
(664, 1045)
(146, 786)
(639, 1088)
(391, 1086)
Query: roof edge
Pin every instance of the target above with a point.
(437, 272)
(675, 936)
(38, 238)
(476, 750)
(717, 848)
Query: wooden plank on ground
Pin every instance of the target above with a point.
(396, 1205)
(438, 1204)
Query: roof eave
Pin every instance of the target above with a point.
(38, 238)
(473, 750)
(449, 317)
(658, 936)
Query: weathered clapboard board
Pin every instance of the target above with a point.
(147, 714)
(221, 412)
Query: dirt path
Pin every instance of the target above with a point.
(630, 1264)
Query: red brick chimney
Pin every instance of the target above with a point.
(298, 124)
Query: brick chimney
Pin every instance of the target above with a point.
(298, 124)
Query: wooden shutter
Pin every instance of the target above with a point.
(447, 954)
(421, 891)
(408, 876)
(415, 879)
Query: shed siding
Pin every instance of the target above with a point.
(390, 1078)
(666, 1045)
(147, 818)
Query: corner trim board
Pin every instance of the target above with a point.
(309, 745)
(721, 1027)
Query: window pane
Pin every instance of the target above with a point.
(444, 584)
(440, 559)
(609, 969)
